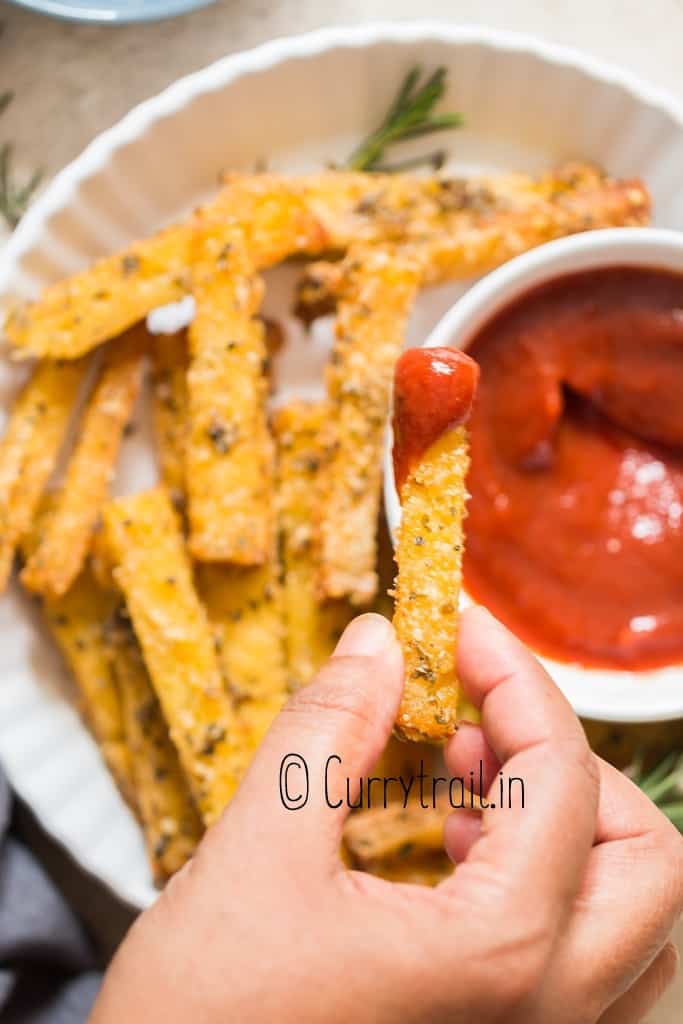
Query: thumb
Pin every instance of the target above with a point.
(330, 731)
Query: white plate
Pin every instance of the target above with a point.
(297, 102)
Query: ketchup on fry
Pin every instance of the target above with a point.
(433, 392)
(575, 524)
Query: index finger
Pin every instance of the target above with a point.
(537, 839)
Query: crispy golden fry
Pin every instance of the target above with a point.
(458, 228)
(170, 361)
(74, 315)
(29, 450)
(470, 250)
(68, 532)
(170, 820)
(384, 832)
(325, 211)
(155, 575)
(376, 299)
(102, 559)
(407, 759)
(229, 455)
(312, 627)
(77, 623)
(427, 588)
(273, 214)
(244, 606)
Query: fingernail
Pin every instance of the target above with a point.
(366, 636)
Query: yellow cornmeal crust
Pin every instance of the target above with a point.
(375, 301)
(429, 558)
(332, 210)
(244, 606)
(381, 833)
(30, 447)
(312, 627)
(77, 623)
(76, 314)
(169, 363)
(272, 213)
(400, 844)
(68, 531)
(229, 462)
(154, 574)
(79, 312)
(458, 227)
(169, 818)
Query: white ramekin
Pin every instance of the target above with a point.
(608, 695)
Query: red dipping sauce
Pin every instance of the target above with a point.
(575, 525)
(433, 392)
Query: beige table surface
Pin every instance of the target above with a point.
(71, 81)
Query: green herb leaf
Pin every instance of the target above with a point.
(5, 100)
(14, 198)
(410, 116)
(663, 785)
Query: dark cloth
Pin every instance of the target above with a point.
(47, 963)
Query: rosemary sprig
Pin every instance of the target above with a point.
(410, 116)
(663, 784)
(14, 198)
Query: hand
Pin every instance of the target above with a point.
(559, 911)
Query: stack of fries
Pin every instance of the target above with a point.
(188, 612)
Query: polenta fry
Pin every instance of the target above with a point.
(377, 295)
(30, 448)
(434, 390)
(75, 315)
(312, 628)
(384, 832)
(229, 454)
(329, 211)
(169, 819)
(272, 213)
(244, 606)
(380, 208)
(68, 532)
(77, 623)
(170, 361)
(472, 249)
(155, 576)
(457, 228)
(400, 844)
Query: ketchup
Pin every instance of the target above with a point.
(433, 392)
(575, 526)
